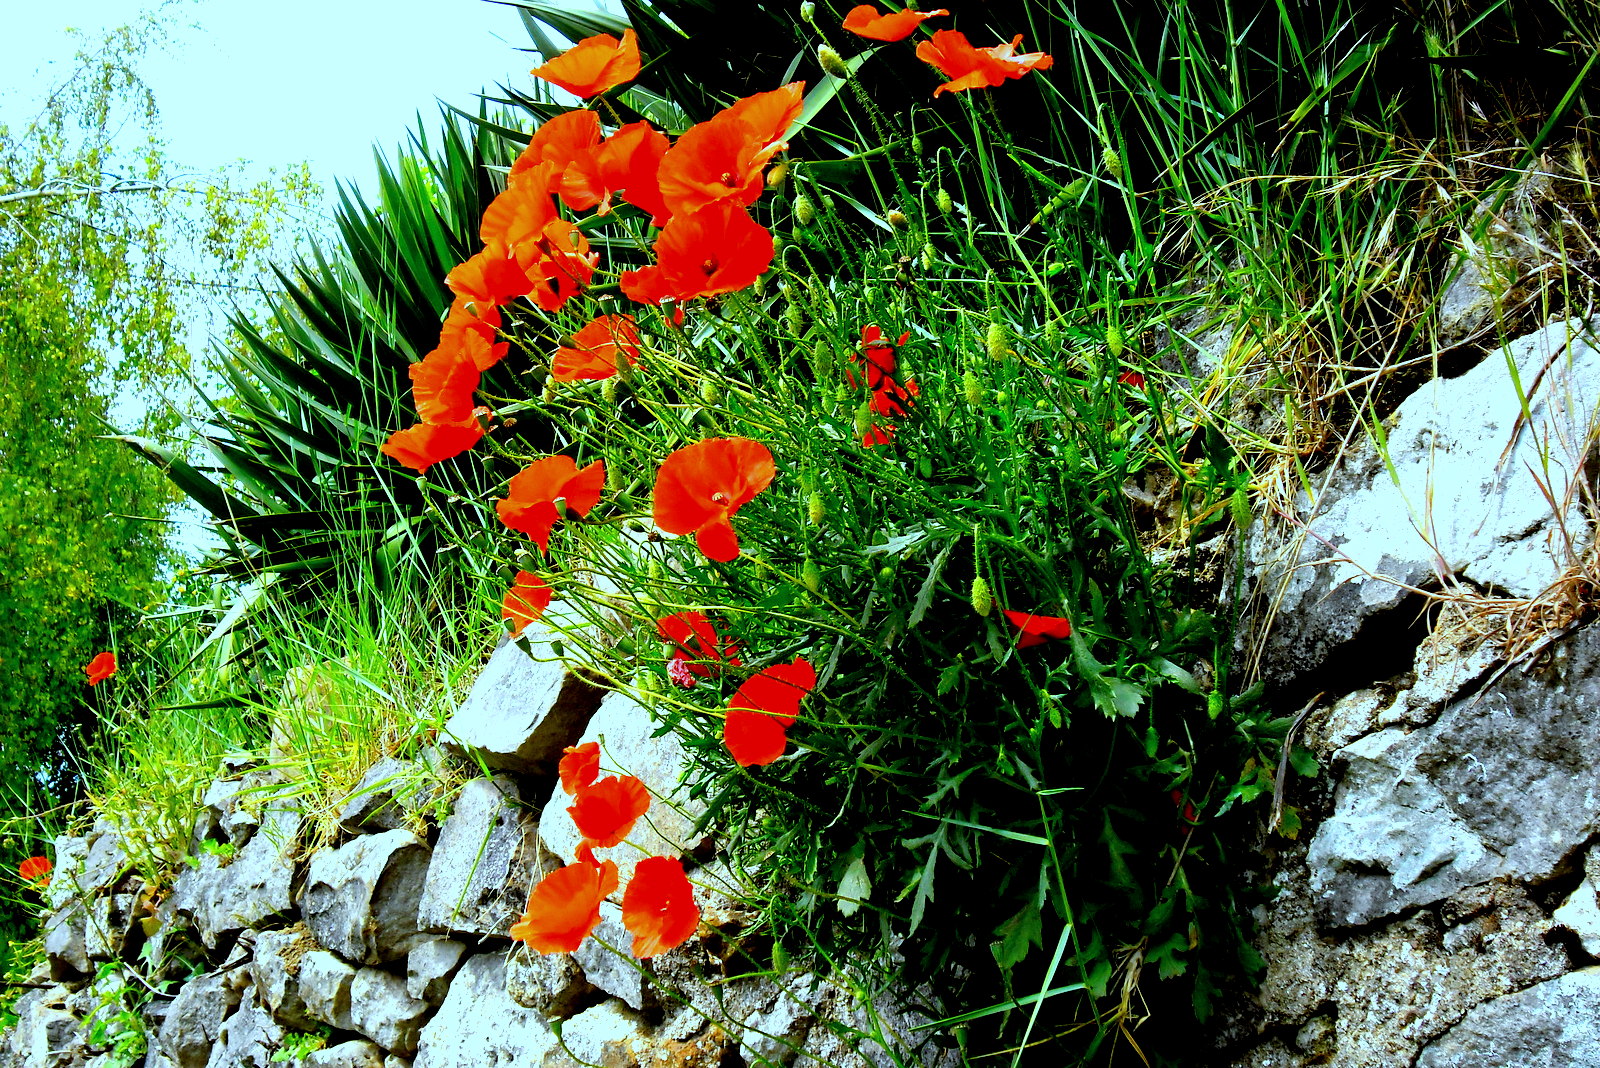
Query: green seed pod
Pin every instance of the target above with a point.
(864, 418)
(611, 390)
(832, 63)
(995, 341)
(646, 682)
(885, 575)
(658, 573)
(1114, 341)
(930, 256)
(780, 958)
(816, 509)
(841, 396)
(827, 202)
(811, 575)
(982, 599)
(942, 201)
(710, 392)
(973, 388)
(1113, 163)
(759, 286)
(796, 317)
(822, 360)
(1240, 506)
(916, 144)
(805, 213)
(777, 175)
(897, 219)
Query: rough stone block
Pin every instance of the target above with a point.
(276, 970)
(1552, 1023)
(247, 1039)
(613, 970)
(429, 967)
(226, 895)
(550, 983)
(373, 805)
(483, 863)
(456, 1036)
(361, 899)
(325, 983)
(353, 1054)
(382, 1010)
(194, 1022)
(607, 1034)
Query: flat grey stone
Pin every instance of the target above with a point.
(1555, 1024)
(247, 1039)
(194, 1022)
(605, 1034)
(226, 895)
(374, 805)
(275, 968)
(522, 711)
(64, 945)
(429, 967)
(382, 1010)
(325, 983)
(456, 1036)
(354, 1054)
(614, 970)
(360, 900)
(483, 863)
(550, 983)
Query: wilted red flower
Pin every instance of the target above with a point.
(36, 870)
(595, 348)
(526, 601)
(579, 767)
(530, 502)
(594, 64)
(1035, 629)
(420, 447)
(718, 249)
(607, 809)
(864, 21)
(721, 159)
(698, 650)
(442, 385)
(101, 668)
(565, 907)
(701, 486)
(968, 67)
(658, 907)
(762, 710)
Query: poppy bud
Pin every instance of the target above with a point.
(864, 418)
(1002, 398)
(1114, 342)
(827, 202)
(942, 201)
(805, 213)
(982, 599)
(1113, 162)
(822, 360)
(646, 683)
(897, 219)
(817, 511)
(973, 388)
(1052, 332)
(796, 317)
(776, 176)
(930, 256)
(885, 575)
(1240, 506)
(759, 286)
(841, 396)
(808, 12)
(916, 141)
(811, 575)
(611, 390)
(832, 63)
(657, 572)
(996, 340)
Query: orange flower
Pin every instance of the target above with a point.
(658, 908)
(864, 21)
(560, 264)
(420, 447)
(699, 651)
(630, 163)
(762, 710)
(569, 142)
(520, 214)
(579, 767)
(606, 810)
(526, 601)
(968, 67)
(36, 870)
(442, 385)
(491, 277)
(565, 907)
(595, 348)
(718, 249)
(1035, 629)
(721, 159)
(701, 486)
(101, 668)
(594, 64)
(530, 502)
(471, 328)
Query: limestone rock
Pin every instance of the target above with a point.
(382, 1010)
(1480, 794)
(613, 970)
(607, 1034)
(483, 863)
(194, 1022)
(373, 805)
(1444, 500)
(623, 729)
(64, 942)
(247, 1039)
(429, 967)
(226, 895)
(1550, 1025)
(276, 970)
(325, 983)
(1485, 276)
(354, 1054)
(65, 878)
(1580, 914)
(550, 983)
(360, 900)
(523, 709)
(106, 925)
(456, 1036)
(105, 860)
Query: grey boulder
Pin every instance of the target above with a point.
(361, 899)
(483, 863)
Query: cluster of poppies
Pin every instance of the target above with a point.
(658, 906)
(967, 66)
(888, 397)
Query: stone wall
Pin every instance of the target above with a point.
(389, 941)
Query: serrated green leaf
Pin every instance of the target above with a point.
(854, 888)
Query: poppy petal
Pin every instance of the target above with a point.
(565, 907)
(606, 811)
(579, 767)
(526, 601)
(753, 739)
(658, 908)
(594, 64)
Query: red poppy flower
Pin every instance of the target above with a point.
(630, 164)
(1131, 378)
(658, 907)
(520, 214)
(471, 328)
(968, 67)
(530, 502)
(526, 601)
(721, 159)
(35, 869)
(579, 767)
(1035, 629)
(864, 21)
(101, 668)
(565, 907)
(878, 434)
(569, 142)
(491, 277)
(698, 650)
(877, 354)
(762, 710)
(442, 385)
(595, 348)
(718, 249)
(893, 399)
(593, 65)
(607, 809)
(701, 486)
(420, 447)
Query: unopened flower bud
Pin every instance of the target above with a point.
(930, 256)
(805, 213)
(973, 388)
(832, 63)
(710, 392)
(808, 12)
(796, 317)
(885, 575)
(611, 390)
(776, 176)
(1114, 342)
(864, 418)
(811, 575)
(982, 599)
(897, 219)
(942, 201)
(816, 509)
(658, 573)
(995, 341)
(1112, 162)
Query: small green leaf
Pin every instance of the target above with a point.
(854, 888)
(1017, 935)
(1304, 761)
